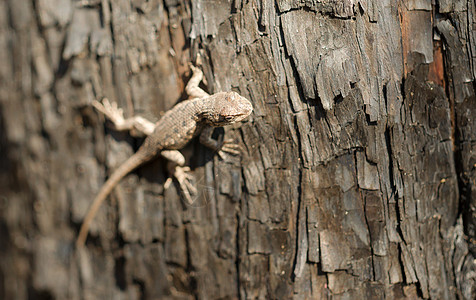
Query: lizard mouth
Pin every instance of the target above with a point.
(241, 117)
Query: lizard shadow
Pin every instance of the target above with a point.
(197, 158)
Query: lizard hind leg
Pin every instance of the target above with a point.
(186, 182)
(181, 173)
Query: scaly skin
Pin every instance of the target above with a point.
(173, 131)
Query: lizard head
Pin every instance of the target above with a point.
(226, 108)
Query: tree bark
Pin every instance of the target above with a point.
(357, 171)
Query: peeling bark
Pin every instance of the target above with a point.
(357, 173)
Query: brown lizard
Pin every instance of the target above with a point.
(172, 132)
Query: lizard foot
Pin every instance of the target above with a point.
(228, 147)
(110, 110)
(185, 181)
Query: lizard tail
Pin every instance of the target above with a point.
(129, 165)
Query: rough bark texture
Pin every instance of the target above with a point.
(357, 177)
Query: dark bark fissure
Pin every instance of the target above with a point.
(394, 194)
(464, 183)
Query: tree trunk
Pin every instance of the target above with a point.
(357, 171)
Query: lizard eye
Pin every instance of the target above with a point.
(226, 118)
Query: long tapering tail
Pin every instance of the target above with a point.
(129, 165)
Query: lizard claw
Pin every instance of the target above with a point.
(185, 181)
(195, 69)
(198, 62)
(228, 147)
(110, 110)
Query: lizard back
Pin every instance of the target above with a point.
(176, 127)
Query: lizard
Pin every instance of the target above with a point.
(187, 119)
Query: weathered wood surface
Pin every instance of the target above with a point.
(357, 178)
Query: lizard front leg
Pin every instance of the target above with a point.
(116, 116)
(226, 146)
(192, 88)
